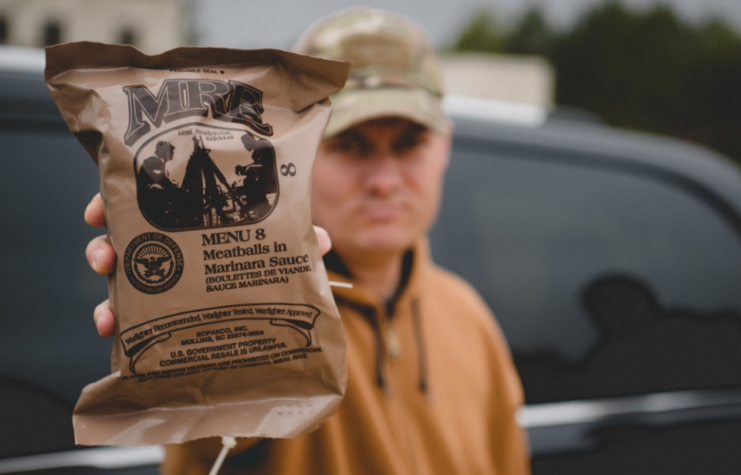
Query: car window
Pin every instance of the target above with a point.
(49, 349)
(606, 280)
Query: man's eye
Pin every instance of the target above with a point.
(349, 146)
(409, 142)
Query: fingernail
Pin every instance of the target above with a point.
(96, 256)
(84, 215)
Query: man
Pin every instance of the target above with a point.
(154, 189)
(258, 178)
(431, 385)
(153, 173)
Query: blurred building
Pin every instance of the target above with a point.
(151, 25)
(523, 79)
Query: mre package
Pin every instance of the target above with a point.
(225, 322)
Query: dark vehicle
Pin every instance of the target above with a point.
(48, 348)
(612, 261)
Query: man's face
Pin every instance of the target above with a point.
(165, 151)
(377, 186)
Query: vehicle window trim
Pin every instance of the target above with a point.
(614, 163)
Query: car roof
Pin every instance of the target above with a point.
(20, 59)
(580, 138)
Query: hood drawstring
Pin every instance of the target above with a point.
(370, 315)
(381, 363)
(421, 350)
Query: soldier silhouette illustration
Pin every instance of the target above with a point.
(156, 192)
(205, 198)
(258, 180)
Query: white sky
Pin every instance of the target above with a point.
(277, 23)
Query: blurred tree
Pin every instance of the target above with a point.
(530, 35)
(481, 34)
(714, 89)
(628, 67)
(643, 69)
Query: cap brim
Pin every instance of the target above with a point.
(353, 106)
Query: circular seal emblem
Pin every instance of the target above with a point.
(153, 263)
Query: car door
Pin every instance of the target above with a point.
(49, 349)
(613, 263)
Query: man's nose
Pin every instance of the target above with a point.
(384, 174)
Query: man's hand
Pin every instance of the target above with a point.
(102, 258)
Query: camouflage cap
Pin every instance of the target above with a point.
(395, 70)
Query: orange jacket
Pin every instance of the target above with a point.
(431, 390)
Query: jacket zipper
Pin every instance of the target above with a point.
(393, 349)
(393, 345)
(392, 340)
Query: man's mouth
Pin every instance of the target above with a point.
(383, 212)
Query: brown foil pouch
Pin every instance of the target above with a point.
(226, 324)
